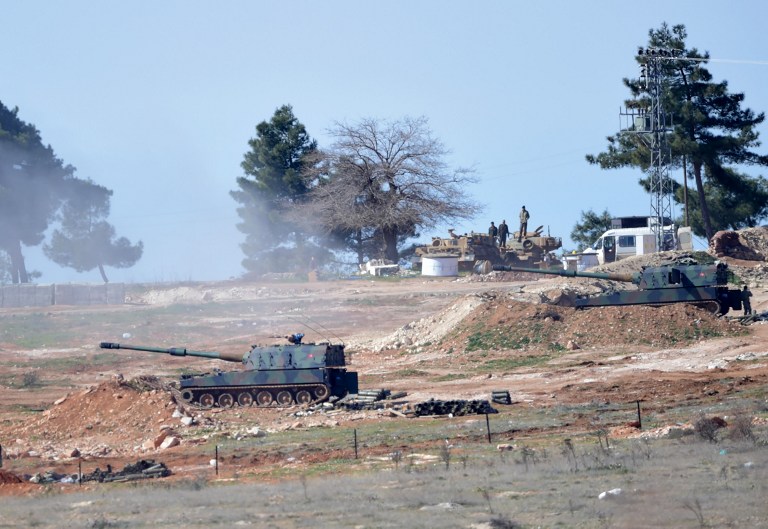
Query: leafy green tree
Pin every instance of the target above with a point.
(386, 179)
(740, 203)
(31, 182)
(591, 226)
(86, 240)
(273, 185)
(711, 129)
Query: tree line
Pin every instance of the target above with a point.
(713, 139)
(379, 183)
(39, 191)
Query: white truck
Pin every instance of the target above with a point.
(629, 237)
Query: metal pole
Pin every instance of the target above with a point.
(355, 443)
(639, 421)
(1, 456)
(80, 472)
(488, 427)
(217, 460)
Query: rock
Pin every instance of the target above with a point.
(505, 447)
(610, 494)
(187, 420)
(177, 414)
(170, 442)
(158, 441)
(572, 346)
(74, 453)
(60, 401)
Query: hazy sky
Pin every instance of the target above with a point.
(157, 100)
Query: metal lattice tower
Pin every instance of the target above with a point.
(652, 125)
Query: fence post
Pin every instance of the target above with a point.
(355, 443)
(639, 420)
(488, 427)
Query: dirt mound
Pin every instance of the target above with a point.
(113, 417)
(500, 321)
(8, 477)
(508, 324)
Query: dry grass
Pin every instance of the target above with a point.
(552, 483)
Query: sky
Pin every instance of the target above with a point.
(157, 99)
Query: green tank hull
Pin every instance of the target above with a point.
(699, 284)
(280, 375)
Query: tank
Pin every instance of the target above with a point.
(472, 248)
(274, 375)
(700, 284)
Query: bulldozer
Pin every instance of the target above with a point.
(532, 250)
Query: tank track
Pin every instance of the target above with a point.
(261, 396)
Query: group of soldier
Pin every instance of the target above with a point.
(502, 231)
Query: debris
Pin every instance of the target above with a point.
(501, 397)
(142, 469)
(453, 407)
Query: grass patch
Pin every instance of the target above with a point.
(507, 364)
(407, 373)
(450, 376)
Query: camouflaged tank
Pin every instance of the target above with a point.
(473, 248)
(282, 375)
(704, 285)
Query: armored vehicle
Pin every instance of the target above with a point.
(704, 285)
(474, 247)
(282, 375)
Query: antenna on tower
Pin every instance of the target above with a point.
(652, 124)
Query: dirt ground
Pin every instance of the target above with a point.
(441, 338)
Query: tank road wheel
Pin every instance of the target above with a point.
(226, 400)
(245, 399)
(264, 398)
(321, 392)
(206, 400)
(284, 398)
(303, 397)
(187, 395)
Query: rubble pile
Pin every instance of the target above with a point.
(426, 330)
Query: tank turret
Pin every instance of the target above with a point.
(299, 373)
(700, 284)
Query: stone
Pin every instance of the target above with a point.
(170, 442)
(187, 420)
(158, 441)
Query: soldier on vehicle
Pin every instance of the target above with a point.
(745, 295)
(524, 216)
(493, 231)
(503, 233)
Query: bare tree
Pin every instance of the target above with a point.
(387, 177)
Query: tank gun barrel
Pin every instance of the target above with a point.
(636, 278)
(175, 351)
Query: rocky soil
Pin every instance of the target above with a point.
(431, 338)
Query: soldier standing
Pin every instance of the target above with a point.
(503, 233)
(493, 231)
(524, 216)
(745, 295)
